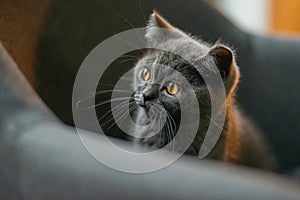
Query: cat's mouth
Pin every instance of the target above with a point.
(159, 126)
(139, 99)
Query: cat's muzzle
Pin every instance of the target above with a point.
(139, 99)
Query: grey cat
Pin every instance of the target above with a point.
(157, 87)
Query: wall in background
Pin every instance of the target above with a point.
(262, 16)
(285, 17)
(250, 15)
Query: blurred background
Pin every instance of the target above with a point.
(49, 39)
(276, 17)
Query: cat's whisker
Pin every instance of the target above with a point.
(114, 121)
(140, 38)
(114, 86)
(115, 109)
(106, 114)
(173, 123)
(117, 115)
(129, 56)
(131, 77)
(162, 135)
(129, 43)
(99, 104)
(172, 127)
(111, 100)
(153, 120)
(142, 11)
(132, 106)
(122, 117)
(170, 134)
(171, 131)
(94, 94)
(129, 111)
(104, 102)
(127, 60)
(165, 134)
(127, 80)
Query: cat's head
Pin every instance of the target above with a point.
(170, 69)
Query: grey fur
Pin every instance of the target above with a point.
(199, 56)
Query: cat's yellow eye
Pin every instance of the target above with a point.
(146, 74)
(172, 88)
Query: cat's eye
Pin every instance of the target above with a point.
(172, 88)
(146, 74)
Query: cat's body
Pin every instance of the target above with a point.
(242, 143)
(157, 85)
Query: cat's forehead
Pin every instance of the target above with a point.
(177, 52)
(186, 47)
(167, 65)
(182, 54)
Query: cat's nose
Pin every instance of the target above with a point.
(151, 92)
(148, 94)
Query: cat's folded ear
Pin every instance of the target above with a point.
(225, 61)
(160, 30)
